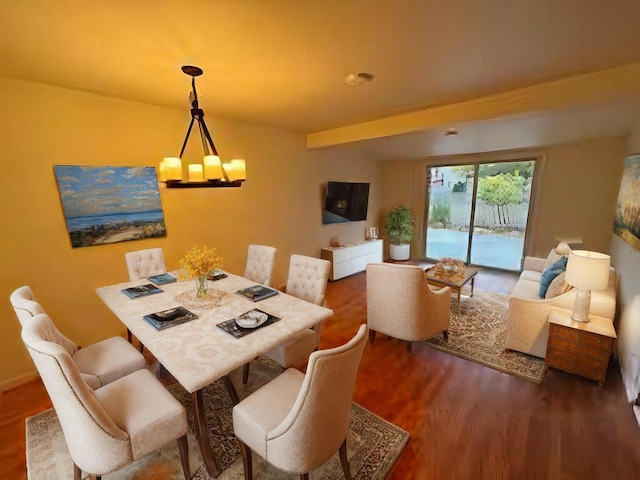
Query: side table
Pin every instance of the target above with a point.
(580, 348)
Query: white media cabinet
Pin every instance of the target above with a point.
(353, 258)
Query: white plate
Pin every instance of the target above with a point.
(252, 319)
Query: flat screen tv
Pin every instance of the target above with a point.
(345, 202)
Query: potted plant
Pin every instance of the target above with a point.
(400, 231)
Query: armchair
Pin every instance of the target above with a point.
(401, 304)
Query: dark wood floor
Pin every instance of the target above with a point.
(466, 421)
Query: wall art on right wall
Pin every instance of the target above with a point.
(627, 222)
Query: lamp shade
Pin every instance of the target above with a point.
(588, 270)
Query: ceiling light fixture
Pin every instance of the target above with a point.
(451, 131)
(359, 78)
(211, 172)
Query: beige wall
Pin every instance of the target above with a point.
(627, 262)
(576, 189)
(279, 205)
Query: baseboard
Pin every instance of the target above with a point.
(17, 381)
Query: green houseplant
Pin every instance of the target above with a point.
(400, 231)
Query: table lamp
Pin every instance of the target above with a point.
(586, 271)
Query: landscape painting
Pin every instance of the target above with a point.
(110, 204)
(627, 221)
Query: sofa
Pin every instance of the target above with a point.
(527, 316)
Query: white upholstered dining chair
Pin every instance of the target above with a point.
(297, 421)
(110, 427)
(401, 304)
(142, 264)
(307, 280)
(261, 264)
(99, 363)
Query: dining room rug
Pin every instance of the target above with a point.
(373, 443)
(477, 333)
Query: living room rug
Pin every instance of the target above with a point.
(373, 443)
(477, 333)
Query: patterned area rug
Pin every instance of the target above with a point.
(373, 443)
(477, 333)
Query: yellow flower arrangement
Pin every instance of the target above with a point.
(198, 263)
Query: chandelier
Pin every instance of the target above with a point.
(212, 172)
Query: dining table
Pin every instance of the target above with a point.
(198, 352)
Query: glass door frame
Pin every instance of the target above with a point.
(538, 160)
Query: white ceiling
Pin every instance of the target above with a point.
(282, 62)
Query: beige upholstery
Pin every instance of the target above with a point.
(99, 363)
(401, 304)
(113, 426)
(298, 421)
(142, 264)
(145, 263)
(527, 316)
(261, 264)
(307, 280)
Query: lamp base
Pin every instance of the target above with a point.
(581, 306)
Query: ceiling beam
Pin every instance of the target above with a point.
(583, 89)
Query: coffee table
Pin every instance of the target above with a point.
(453, 280)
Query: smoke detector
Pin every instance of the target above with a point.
(359, 78)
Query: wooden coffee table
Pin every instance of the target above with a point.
(453, 280)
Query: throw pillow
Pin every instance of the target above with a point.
(562, 249)
(557, 287)
(550, 274)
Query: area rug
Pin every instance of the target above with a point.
(373, 443)
(477, 333)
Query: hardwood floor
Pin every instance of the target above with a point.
(466, 421)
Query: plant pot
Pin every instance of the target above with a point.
(399, 251)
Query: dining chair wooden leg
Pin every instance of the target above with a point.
(409, 345)
(304, 476)
(77, 473)
(245, 373)
(344, 461)
(445, 334)
(372, 336)
(183, 446)
(246, 460)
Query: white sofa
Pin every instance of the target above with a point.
(527, 317)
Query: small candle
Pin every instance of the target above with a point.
(161, 175)
(172, 168)
(195, 172)
(239, 169)
(212, 167)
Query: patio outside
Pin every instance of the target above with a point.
(499, 220)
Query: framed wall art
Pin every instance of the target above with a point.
(109, 204)
(627, 221)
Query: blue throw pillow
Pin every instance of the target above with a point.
(550, 273)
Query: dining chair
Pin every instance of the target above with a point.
(401, 304)
(297, 421)
(99, 363)
(261, 264)
(110, 427)
(142, 264)
(307, 280)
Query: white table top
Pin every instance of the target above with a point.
(197, 353)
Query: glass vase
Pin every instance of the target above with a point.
(201, 283)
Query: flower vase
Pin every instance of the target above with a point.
(201, 282)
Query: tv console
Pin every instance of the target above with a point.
(353, 258)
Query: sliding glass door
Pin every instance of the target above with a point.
(478, 212)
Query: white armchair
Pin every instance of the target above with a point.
(401, 304)
(142, 264)
(99, 363)
(298, 421)
(113, 426)
(307, 280)
(261, 264)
